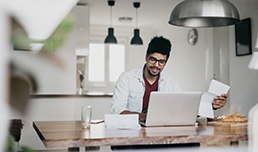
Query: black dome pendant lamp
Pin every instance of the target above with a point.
(110, 38)
(136, 40)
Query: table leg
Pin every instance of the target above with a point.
(234, 143)
(83, 149)
(92, 148)
(73, 149)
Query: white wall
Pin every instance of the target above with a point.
(243, 81)
(187, 62)
(221, 62)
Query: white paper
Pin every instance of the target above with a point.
(216, 89)
(114, 121)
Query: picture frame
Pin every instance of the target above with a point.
(243, 38)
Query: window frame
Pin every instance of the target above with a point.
(105, 86)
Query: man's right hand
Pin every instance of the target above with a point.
(142, 116)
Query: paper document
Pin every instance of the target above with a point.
(129, 121)
(216, 89)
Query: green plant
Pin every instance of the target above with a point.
(10, 146)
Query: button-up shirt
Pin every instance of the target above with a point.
(130, 88)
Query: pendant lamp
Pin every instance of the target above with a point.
(136, 40)
(204, 13)
(110, 38)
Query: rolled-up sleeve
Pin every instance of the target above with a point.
(119, 100)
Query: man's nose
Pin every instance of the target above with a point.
(157, 63)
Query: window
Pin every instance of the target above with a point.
(96, 62)
(116, 61)
(105, 63)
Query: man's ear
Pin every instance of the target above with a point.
(146, 56)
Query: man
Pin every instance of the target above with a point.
(132, 90)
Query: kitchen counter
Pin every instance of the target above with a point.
(71, 95)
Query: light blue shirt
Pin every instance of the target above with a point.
(130, 88)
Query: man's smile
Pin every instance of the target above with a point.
(154, 69)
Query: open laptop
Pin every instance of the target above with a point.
(172, 109)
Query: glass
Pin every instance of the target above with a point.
(96, 62)
(116, 61)
(85, 133)
(86, 116)
(153, 60)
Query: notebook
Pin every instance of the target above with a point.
(172, 109)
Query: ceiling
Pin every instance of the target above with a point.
(151, 14)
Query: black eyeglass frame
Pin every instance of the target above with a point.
(153, 60)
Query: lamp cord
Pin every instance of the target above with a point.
(136, 18)
(110, 16)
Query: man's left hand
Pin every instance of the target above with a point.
(219, 101)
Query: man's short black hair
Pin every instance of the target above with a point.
(159, 45)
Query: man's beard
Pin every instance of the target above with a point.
(154, 75)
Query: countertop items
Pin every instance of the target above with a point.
(234, 118)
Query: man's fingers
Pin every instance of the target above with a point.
(220, 98)
(218, 103)
(224, 95)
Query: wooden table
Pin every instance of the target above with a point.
(57, 134)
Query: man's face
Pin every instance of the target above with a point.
(155, 63)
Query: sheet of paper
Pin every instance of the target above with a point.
(114, 121)
(205, 108)
(216, 89)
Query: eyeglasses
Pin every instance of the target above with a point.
(153, 60)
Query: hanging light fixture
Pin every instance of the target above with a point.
(136, 38)
(110, 38)
(204, 13)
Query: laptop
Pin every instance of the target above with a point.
(172, 109)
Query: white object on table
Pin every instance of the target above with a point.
(129, 121)
(216, 89)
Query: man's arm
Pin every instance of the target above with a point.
(142, 116)
(119, 100)
(219, 101)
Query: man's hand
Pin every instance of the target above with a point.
(142, 116)
(219, 101)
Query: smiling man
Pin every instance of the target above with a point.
(133, 88)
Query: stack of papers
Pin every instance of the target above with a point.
(216, 89)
